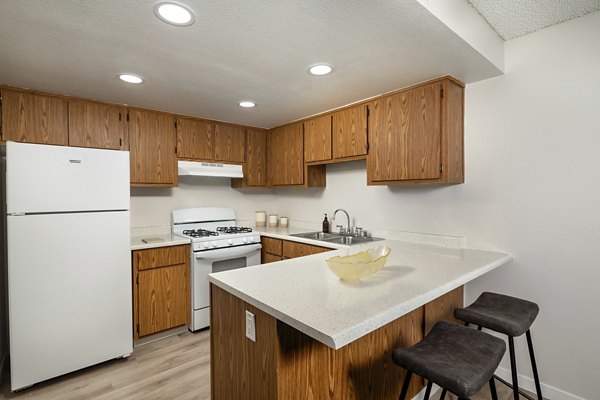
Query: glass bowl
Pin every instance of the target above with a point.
(359, 265)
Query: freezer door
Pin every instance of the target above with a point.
(69, 288)
(43, 178)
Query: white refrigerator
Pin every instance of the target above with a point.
(69, 259)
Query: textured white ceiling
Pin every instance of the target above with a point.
(514, 18)
(236, 50)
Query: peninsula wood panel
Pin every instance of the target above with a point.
(296, 249)
(97, 125)
(152, 148)
(443, 308)
(164, 299)
(405, 135)
(317, 139)
(286, 155)
(162, 256)
(34, 118)
(350, 132)
(286, 364)
(195, 139)
(240, 368)
(256, 157)
(230, 143)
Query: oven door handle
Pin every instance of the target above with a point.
(228, 252)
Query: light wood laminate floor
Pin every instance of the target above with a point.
(177, 367)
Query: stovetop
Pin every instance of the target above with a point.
(220, 232)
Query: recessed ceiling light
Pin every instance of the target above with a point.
(320, 69)
(174, 13)
(247, 104)
(129, 78)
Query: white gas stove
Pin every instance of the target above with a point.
(217, 245)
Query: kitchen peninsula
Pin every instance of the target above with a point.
(317, 337)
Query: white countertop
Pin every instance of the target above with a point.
(165, 240)
(284, 233)
(306, 295)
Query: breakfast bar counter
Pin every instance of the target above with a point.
(323, 338)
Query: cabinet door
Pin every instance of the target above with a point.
(255, 172)
(229, 143)
(34, 118)
(350, 132)
(405, 135)
(96, 125)
(195, 139)
(286, 155)
(163, 298)
(152, 147)
(269, 258)
(295, 249)
(317, 139)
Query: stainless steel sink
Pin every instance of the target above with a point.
(316, 235)
(337, 238)
(350, 240)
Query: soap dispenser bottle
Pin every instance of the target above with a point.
(325, 225)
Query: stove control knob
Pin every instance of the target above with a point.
(256, 239)
(230, 242)
(245, 240)
(213, 244)
(206, 245)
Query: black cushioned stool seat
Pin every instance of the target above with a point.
(500, 313)
(456, 358)
(511, 316)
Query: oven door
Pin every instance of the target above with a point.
(218, 260)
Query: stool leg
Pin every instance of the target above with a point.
(513, 367)
(428, 390)
(479, 327)
(493, 389)
(443, 396)
(405, 385)
(536, 378)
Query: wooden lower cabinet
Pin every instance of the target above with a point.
(284, 363)
(161, 289)
(278, 249)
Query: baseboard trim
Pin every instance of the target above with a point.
(527, 383)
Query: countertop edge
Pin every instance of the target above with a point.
(168, 240)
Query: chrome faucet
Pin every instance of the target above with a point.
(349, 231)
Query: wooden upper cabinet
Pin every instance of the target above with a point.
(229, 143)
(255, 172)
(317, 139)
(405, 135)
(152, 148)
(97, 125)
(286, 155)
(350, 132)
(195, 139)
(34, 118)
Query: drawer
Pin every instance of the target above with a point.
(273, 246)
(295, 249)
(161, 256)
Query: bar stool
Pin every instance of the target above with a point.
(457, 359)
(508, 315)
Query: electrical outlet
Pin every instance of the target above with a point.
(250, 326)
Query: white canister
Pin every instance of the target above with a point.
(261, 218)
(273, 220)
(283, 222)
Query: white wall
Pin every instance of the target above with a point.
(151, 207)
(532, 153)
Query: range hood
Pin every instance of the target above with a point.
(197, 168)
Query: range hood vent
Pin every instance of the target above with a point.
(197, 168)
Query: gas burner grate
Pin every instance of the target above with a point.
(233, 229)
(197, 233)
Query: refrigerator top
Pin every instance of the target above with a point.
(55, 179)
